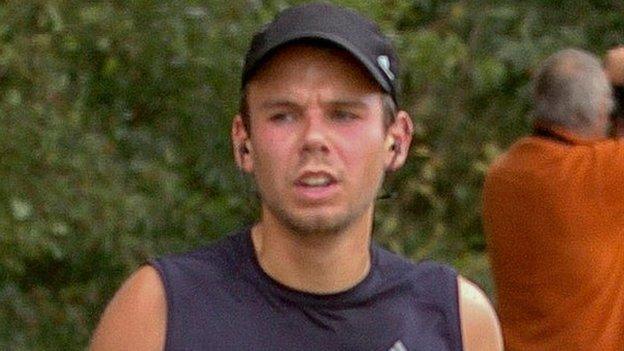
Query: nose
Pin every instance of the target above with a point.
(316, 132)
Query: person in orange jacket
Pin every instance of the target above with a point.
(553, 211)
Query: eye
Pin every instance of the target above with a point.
(343, 116)
(282, 117)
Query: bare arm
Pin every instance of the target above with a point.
(614, 65)
(479, 325)
(135, 319)
(614, 68)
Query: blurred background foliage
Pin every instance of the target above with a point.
(114, 135)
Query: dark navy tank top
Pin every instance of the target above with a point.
(219, 298)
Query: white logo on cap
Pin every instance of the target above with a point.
(384, 62)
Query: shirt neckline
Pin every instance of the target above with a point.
(355, 294)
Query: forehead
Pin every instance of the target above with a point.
(300, 63)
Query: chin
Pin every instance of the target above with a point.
(317, 220)
(314, 224)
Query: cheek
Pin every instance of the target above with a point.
(271, 149)
(363, 149)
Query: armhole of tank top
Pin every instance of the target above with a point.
(450, 302)
(159, 267)
(445, 278)
(458, 327)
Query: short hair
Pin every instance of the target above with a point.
(571, 90)
(389, 106)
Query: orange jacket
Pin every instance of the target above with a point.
(554, 222)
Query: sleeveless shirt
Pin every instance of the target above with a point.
(219, 298)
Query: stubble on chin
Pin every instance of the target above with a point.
(308, 225)
(316, 224)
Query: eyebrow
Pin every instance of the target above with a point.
(334, 103)
(278, 103)
(348, 103)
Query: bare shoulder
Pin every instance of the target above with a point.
(135, 319)
(479, 323)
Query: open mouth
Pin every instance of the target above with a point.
(315, 180)
(316, 186)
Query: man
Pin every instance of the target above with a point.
(554, 214)
(318, 128)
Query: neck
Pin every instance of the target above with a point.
(594, 133)
(321, 264)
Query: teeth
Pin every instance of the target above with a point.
(316, 181)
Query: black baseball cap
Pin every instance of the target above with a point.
(342, 27)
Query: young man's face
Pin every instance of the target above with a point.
(317, 144)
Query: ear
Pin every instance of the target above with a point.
(242, 146)
(398, 140)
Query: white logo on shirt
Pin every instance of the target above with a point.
(398, 346)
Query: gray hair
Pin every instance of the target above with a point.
(571, 90)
